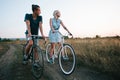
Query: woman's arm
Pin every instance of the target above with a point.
(51, 26)
(65, 28)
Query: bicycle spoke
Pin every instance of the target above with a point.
(67, 59)
(37, 70)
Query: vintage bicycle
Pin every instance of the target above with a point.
(37, 71)
(66, 56)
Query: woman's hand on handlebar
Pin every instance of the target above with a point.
(70, 34)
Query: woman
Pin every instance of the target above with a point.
(54, 35)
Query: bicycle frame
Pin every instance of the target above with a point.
(61, 43)
(65, 54)
(33, 37)
(35, 56)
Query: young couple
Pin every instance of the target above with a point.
(34, 23)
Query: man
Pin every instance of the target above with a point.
(34, 23)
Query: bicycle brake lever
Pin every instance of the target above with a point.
(71, 35)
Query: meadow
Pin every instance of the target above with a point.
(3, 48)
(102, 54)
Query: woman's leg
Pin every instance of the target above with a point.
(52, 49)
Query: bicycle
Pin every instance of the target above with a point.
(36, 71)
(65, 51)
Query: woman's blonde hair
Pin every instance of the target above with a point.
(55, 12)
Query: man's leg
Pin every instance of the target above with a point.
(27, 49)
(30, 43)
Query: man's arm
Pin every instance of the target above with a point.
(28, 27)
(41, 29)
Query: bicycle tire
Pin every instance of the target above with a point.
(38, 72)
(48, 52)
(23, 50)
(67, 66)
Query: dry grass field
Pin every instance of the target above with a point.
(98, 54)
(3, 48)
(101, 53)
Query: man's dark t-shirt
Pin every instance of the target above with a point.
(34, 24)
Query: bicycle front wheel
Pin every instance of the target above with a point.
(67, 59)
(37, 70)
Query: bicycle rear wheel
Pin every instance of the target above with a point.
(48, 52)
(38, 71)
(67, 59)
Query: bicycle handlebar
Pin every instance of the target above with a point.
(37, 36)
(69, 34)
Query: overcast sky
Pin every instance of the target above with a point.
(84, 18)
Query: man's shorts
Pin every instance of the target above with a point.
(36, 40)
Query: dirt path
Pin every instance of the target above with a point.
(5, 62)
(11, 68)
(80, 73)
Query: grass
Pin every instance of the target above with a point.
(101, 54)
(3, 48)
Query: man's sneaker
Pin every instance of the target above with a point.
(65, 57)
(25, 59)
(25, 62)
(36, 64)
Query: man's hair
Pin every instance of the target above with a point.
(34, 7)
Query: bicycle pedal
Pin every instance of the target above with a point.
(30, 60)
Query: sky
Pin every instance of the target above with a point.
(84, 18)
